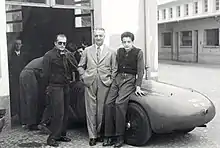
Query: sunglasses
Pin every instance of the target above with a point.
(61, 43)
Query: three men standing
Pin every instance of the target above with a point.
(58, 69)
(109, 80)
(97, 68)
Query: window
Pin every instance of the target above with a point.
(186, 38)
(195, 7)
(166, 39)
(171, 12)
(14, 27)
(29, 1)
(13, 18)
(211, 37)
(178, 11)
(186, 9)
(205, 5)
(82, 18)
(216, 4)
(74, 2)
(164, 13)
(83, 21)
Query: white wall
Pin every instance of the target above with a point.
(4, 85)
(111, 15)
(120, 19)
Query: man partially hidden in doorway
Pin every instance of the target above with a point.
(16, 64)
(58, 69)
(130, 64)
(32, 99)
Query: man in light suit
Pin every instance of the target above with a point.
(97, 68)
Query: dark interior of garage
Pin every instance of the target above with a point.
(41, 25)
(37, 28)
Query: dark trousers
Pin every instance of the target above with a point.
(47, 112)
(28, 97)
(59, 99)
(14, 95)
(117, 103)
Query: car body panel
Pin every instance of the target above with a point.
(171, 108)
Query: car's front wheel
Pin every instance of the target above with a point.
(138, 129)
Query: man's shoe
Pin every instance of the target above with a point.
(64, 139)
(108, 142)
(52, 142)
(100, 139)
(119, 142)
(33, 127)
(92, 141)
(43, 128)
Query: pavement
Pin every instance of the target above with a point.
(204, 78)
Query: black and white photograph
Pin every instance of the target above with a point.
(109, 73)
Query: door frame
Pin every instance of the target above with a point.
(52, 4)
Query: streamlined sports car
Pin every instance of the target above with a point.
(165, 108)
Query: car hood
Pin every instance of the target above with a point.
(167, 100)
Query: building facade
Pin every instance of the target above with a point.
(143, 24)
(188, 30)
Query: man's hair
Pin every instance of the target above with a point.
(99, 28)
(127, 34)
(60, 35)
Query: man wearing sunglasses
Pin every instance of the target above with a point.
(58, 68)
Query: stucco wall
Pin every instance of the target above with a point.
(205, 54)
(4, 84)
(116, 19)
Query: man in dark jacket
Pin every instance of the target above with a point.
(129, 78)
(16, 64)
(31, 98)
(58, 68)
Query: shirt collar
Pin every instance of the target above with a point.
(129, 49)
(18, 52)
(101, 47)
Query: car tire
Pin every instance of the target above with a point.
(138, 129)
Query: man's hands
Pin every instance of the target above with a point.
(139, 92)
(48, 90)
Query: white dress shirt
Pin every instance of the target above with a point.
(18, 52)
(101, 48)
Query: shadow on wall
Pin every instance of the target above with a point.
(137, 27)
(115, 41)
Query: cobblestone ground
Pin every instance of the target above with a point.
(204, 78)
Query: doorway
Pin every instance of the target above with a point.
(37, 28)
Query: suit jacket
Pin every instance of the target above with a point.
(16, 64)
(89, 67)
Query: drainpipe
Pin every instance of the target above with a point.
(145, 43)
(151, 39)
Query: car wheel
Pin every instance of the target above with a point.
(185, 131)
(138, 129)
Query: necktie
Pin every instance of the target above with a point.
(98, 53)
